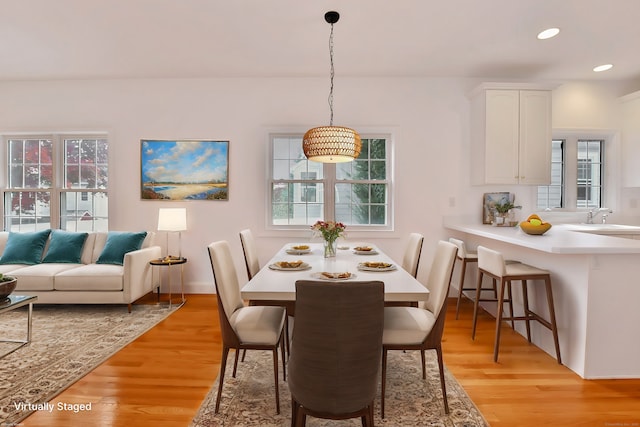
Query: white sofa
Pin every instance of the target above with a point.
(86, 282)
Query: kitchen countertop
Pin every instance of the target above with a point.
(561, 238)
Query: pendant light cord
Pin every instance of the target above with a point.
(331, 76)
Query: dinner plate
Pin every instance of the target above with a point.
(371, 252)
(363, 267)
(301, 267)
(337, 279)
(292, 251)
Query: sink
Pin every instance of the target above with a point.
(606, 229)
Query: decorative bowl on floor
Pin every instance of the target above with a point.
(7, 285)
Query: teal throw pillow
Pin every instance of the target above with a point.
(25, 248)
(119, 243)
(65, 247)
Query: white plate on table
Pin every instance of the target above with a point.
(292, 251)
(371, 252)
(301, 267)
(364, 267)
(334, 279)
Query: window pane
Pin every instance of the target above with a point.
(84, 211)
(589, 173)
(86, 163)
(551, 196)
(296, 203)
(361, 203)
(30, 163)
(27, 210)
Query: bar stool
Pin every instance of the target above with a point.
(465, 257)
(492, 264)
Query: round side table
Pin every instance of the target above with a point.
(169, 262)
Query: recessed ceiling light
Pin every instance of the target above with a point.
(603, 67)
(548, 33)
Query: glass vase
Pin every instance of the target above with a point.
(330, 247)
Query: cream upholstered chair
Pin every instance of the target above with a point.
(251, 260)
(251, 328)
(336, 349)
(465, 257)
(411, 258)
(492, 264)
(420, 328)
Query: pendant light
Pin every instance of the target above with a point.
(331, 144)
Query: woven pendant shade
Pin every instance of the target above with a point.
(331, 144)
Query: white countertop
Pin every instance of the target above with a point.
(561, 238)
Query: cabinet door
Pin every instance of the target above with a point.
(535, 138)
(502, 134)
(631, 141)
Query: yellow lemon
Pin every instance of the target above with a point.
(535, 222)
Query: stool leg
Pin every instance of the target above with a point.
(552, 315)
(510, 299)
(527, 312)
(475, 304)
(463, 268)
(496, 345)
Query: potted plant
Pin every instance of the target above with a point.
(503, 213)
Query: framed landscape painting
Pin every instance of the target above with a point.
(184, 170)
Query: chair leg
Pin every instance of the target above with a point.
(294, 411)
(510, 299)
(496, 344)
(527, 312)
(552, 315)
(223, 367)
(463, 267)
(476, 303)
(235, 362)
(424, 365)
(384, 381)
(275, 378)
(442, 382)
(244, 353)
(286, 334)
(282, 351)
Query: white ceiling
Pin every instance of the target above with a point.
(91, 39)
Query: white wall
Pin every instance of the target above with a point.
(429, 118)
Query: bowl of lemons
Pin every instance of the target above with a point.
(534, 225)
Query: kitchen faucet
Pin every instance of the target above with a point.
(594, 213)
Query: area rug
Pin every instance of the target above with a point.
(68, 341)
(249, 399)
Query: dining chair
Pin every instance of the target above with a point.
(420, 328)
(244, 327)
(251, 259)
(411, 258)
(335, 350)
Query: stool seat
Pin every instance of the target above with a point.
(492, 264)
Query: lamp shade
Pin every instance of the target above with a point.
(331, 144)
(172, 219)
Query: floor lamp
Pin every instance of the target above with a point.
(173, 220)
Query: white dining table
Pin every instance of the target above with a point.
(280, 285)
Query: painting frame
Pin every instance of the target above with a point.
(489, 200)
(184, 169)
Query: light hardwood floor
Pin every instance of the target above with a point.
(161, 378)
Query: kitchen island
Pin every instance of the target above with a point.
(595, 273)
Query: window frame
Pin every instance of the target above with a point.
(570, 170)
(328, 182)
(57, 190)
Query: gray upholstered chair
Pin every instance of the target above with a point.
(335, 350)
(411, 258)
(251, 260)
(420, 328)
(251, 328)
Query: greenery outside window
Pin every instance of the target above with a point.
(356, 193)
(56, 181)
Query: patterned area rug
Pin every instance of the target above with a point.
(68, 341)
(249, 399)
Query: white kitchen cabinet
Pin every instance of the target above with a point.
(631, 140)
(511, 136)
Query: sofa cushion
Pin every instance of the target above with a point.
(91, 277)
(65, 247)
(40, 277)
(25, 248)
(118, 244)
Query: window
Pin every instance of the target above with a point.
(56, 181)
(579, 161)
(356, 193)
